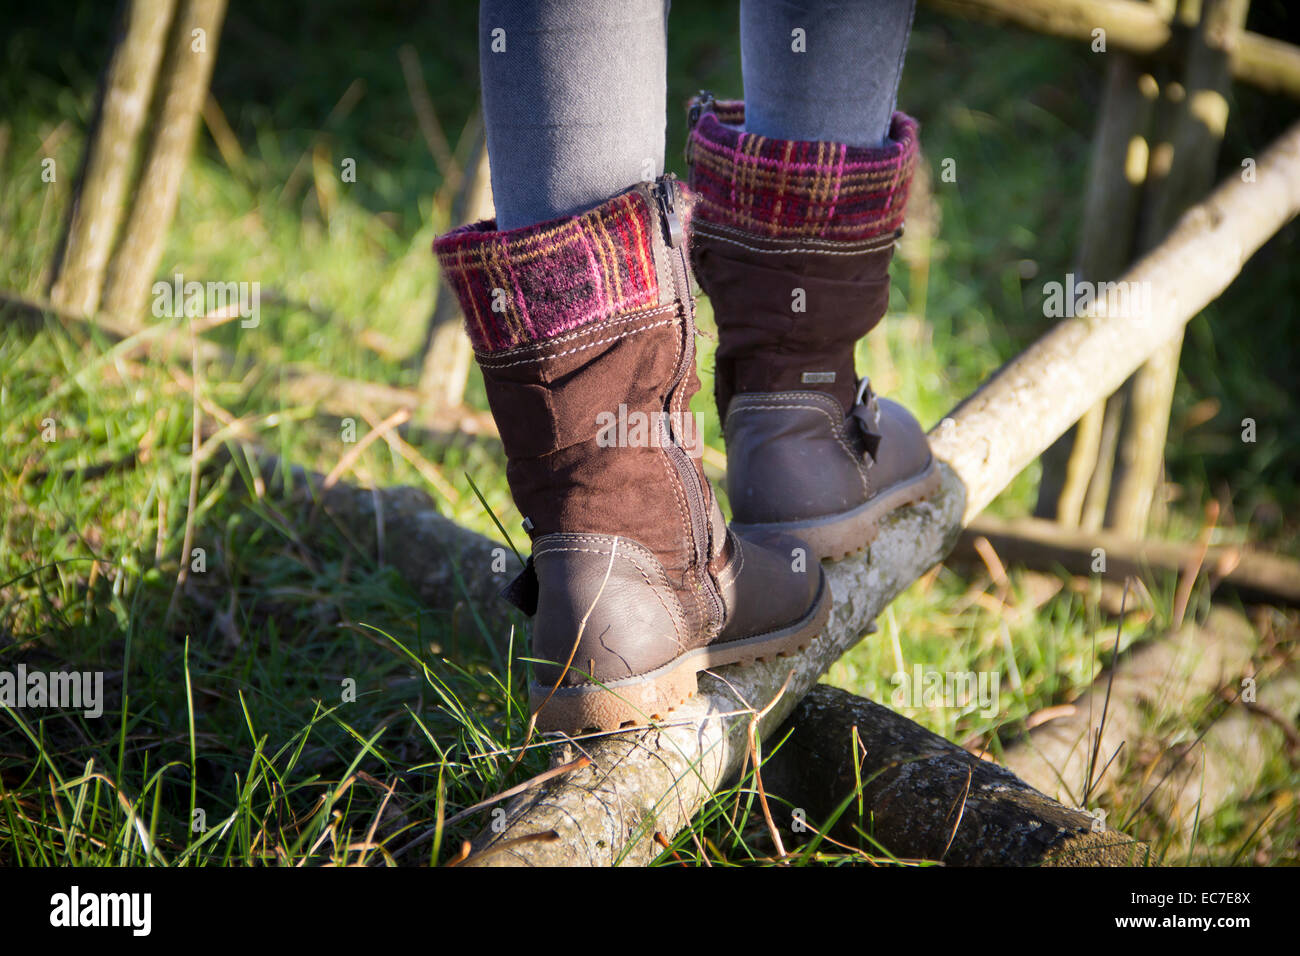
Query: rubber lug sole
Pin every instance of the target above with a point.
(838, 536)
(636, 701)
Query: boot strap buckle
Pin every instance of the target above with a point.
(866, 412)
(523, 591)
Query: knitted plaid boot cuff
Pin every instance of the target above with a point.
(540, 281)
(786, 189)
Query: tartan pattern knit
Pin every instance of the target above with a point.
(539, 281)
(786, 189)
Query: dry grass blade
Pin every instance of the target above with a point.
(1193, 570)
(427, 469)
(662, 840)
(461, 855)
(192, 502)
(1089, 782)
(350, 457)
(133, 818)
(961, 812)
(758, 775)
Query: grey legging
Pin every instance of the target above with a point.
(574, 91)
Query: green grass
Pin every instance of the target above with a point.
(238, 703)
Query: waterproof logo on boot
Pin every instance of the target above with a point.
(637, 429)
(817, 378)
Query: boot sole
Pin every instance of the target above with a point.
(635, 701)
(838, 536)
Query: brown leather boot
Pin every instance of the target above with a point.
(792, 242)
(589, 364)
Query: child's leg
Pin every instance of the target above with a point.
(801, 191)
(573, 102)
(578, 303)
(823, 69)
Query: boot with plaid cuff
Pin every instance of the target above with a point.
(792, 242)
(581, 326)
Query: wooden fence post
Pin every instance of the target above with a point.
(1111, 203)
(1107, 469)
(184, 84)
(447, 354)
(1182, 172)
(120, 116)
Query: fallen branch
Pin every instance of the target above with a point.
(1127, 25)
(1133, 27)
(924, 797)
(450, 567)
(1044, 545)
(302, 383)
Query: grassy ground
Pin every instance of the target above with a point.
(232, 733)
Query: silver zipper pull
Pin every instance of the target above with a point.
(666, 193)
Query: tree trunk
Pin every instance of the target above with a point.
(106, 167)
(184, 84)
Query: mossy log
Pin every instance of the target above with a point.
(924, 797)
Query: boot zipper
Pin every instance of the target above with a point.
(665, 193)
